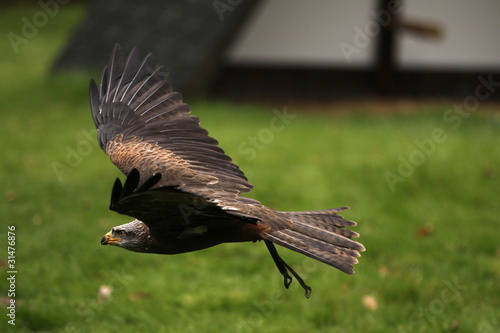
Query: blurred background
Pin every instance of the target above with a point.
(317, 51)
(388, 106)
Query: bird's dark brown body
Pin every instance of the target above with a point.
(183, 190)
(198, 238)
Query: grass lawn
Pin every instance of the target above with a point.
(424, 189)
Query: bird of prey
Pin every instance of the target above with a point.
(182, 189)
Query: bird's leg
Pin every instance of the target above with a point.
(301, 281)
(279, 263)
(283, 267)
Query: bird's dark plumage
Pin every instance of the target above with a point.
(183, 190)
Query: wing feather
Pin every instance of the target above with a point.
(142, 124)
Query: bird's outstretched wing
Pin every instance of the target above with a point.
(142, 124)
(155, 206)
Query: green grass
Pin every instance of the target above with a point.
(425, 283)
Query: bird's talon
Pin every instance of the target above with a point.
(308, 291)
(287, 281)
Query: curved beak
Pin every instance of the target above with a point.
(108, 239)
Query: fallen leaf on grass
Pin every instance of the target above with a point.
(370, 302)
(4, 300)
(424, 231)
(10, 196)
(139, 295)
(454, 326)
(383, 270)
(36, 219)
(104, 293)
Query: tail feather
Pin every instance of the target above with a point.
(324, 246)
(320, 235)
(335, 260)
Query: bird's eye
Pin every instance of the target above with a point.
(120, 233)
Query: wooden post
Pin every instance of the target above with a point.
(385, 62)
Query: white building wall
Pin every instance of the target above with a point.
(333, 33)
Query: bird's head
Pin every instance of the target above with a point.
(132, 236)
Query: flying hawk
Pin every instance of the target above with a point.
(182, 189)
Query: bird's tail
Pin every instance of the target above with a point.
(320, 235)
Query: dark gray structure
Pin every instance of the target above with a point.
(189, 37)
